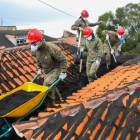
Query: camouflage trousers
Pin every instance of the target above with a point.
(49, 79)
(109, 57)
(91, 70)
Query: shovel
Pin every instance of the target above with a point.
(77, 56)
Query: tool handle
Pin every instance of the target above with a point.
(79, 42)
(35, 77)
(111, 49)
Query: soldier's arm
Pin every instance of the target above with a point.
(92, 24)
(75, 26)
(100, 49)
(105, 32)
(59, 56)
(37, 61)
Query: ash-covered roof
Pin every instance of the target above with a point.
(87, 113)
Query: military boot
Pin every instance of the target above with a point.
(51, 103)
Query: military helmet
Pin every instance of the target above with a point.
(34, 35)
(84, 14)
(121, 31)
(88, 31)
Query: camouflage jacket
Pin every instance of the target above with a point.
(49, 57)
(94, 49)
(81, 23)
(113, 40)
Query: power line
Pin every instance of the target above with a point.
(57, 9)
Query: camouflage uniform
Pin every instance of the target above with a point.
(53, 61)
(114, 44)
(82, 23)
(94, 49)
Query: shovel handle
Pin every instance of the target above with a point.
(79, 41)
(35, 77)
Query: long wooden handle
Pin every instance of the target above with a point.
(80, 65)
(79, 41)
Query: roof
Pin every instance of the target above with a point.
(18, 66)
(108, 108)
(86, 113)
(8, 44)
(67, 34)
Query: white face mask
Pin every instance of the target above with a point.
(89, 37)
(34, 47)
(84, 19)
(119, 36)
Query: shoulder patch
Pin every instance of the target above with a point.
(99, 40)
(56, 52)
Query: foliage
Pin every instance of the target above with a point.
(127, 17)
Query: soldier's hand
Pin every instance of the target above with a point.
(100, 22)
(40, 71)
(112, 51)
(80, 28)
(107, 37)
(63, 75)
(97, 62)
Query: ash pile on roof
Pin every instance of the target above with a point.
(70, 84)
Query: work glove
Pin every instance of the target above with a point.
(40, 71)
(112, 51)
(82, 50)
(107, 37)
(63, 75)
(97, 62)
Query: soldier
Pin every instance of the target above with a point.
(81, 24)
(49, 58)
(114, 38)
(94, 53)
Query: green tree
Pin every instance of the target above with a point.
(127, 17)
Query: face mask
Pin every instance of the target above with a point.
(84, 19)
(89, 37)
(34, 47)
(119, 36)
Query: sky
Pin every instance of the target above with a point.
(54, 16)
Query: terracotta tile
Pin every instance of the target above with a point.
(8, 65)
(3, 76)
(33, 68)
(9, 73)
(12, 56)
(11, 84)
(30, 78)
(5, 87)
(20, 62)
(4, 59)
(16, 72)
(15, 64)
(22, 78)
(28, 52)
(18, 81)
(18, 54)
(26, 61)
(22, 70)
(27, 69)
(30, 60)
(23, 53)
(8, 57)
